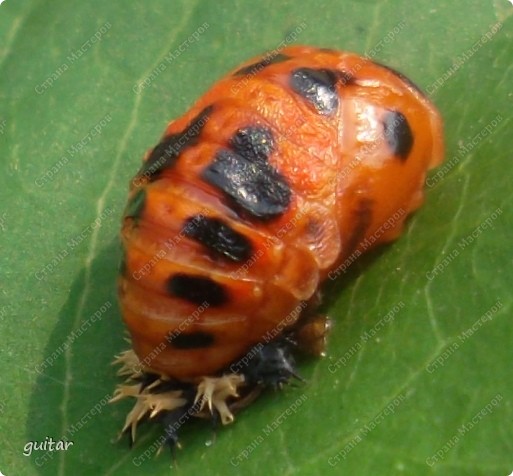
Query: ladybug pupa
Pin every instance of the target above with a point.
(274, 180)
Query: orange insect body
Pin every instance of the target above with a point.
(277, 177)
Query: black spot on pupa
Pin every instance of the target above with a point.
(260, 65)
(318, 87)
(402, 77)
(253, 143)
(398, 134)
(135, 205)
(344, 78)
(165, 154)
(197, 289)
(191, 340)
(254, 185)
(218, 237)
(362, 218)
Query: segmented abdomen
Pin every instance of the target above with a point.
(280, 174)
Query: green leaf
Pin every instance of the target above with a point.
(417, 378)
